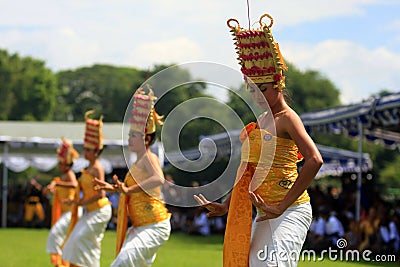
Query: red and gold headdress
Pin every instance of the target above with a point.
(93, 132)
(259, 54)
(66, 152)
(144, 117)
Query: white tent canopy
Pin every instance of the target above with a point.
(375, 120)
(34, 144)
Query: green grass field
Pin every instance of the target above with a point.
(26, 247)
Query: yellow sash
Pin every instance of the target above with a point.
(74, 215)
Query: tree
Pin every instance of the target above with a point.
(6, 86)
(174, 86)
(305, 91)
(310, 90)
(389, 170)
(240, 101)
(28, 88)
(106, 89)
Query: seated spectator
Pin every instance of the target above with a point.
(316, 236)
(169, 191)
(200, 224)
(394, 224)
(388, 235)
(351, 235)
(333, 229)
(178, 218)
(217, 225)
(369, 230)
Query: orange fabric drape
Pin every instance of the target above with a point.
(122, 223)
(56, 208)
(238, 227)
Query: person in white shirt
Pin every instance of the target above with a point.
(389, 235)
(200, 224)
(334, 229)
(316, 235)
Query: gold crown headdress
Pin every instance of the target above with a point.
(259, 55)
(144, 116)
(93, 132)
(66, 152)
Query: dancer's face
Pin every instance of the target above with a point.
(135, 141)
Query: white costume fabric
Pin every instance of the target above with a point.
(83, 246)
(278, 242)
(141, 245)
(57, 234)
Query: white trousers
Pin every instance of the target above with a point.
(141, 245)
(278, 242)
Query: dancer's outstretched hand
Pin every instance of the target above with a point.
(121, 187)
(103, 185)
(216, 209)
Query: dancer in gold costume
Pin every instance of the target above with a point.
(268, 175)
(63, 187)
(83, 245)
(141, 192)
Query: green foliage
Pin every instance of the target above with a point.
(240, 101)
(172, 87)
(389, 172)
(106, 89)
(6, 84)
(305, 91)
(175, 89)
(27, 87)
(310, 90)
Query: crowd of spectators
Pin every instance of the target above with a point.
(335, 220)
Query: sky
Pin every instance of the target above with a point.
(354, 43)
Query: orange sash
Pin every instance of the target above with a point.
(122, 223)
(56, 208)
(238, 228)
